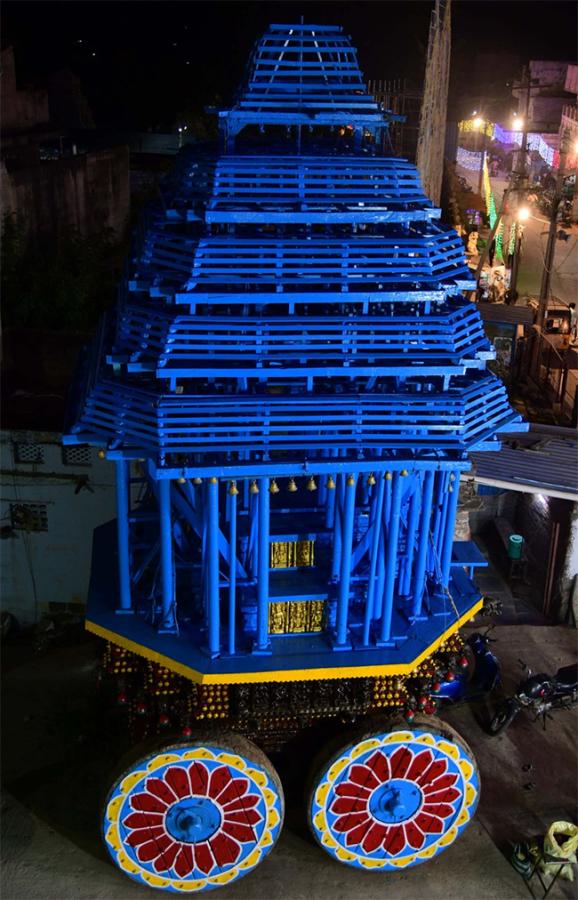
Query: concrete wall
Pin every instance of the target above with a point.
(48, 570)
(536, 516)
(85, 193)
(20, 110)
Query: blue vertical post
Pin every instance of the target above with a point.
(337, 533)
(405, 586)
(391, 557)
(422, 543)
(167, 581)
(346, 552)
(330, 507)
(440, 497)
(263, 567)
(122, 527)
(213, 605)
(232, 568)
(374, 552)
(448, 539)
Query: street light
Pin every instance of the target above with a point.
(523, 214)
(478, 122)
(517, 123)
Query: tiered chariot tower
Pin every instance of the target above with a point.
(291, 383)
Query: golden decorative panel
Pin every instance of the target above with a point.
(296, 617)
(292, 554)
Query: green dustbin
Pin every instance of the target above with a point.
(515, 544)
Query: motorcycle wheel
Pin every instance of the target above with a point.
(503, 717)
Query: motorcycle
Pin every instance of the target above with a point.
(539, 693)
(485, 678)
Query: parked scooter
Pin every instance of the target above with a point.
(539, 693)
(486, 673)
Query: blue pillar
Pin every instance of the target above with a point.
(167, 581)
(377, 525)
(346, 551)
(422, 543)
(405, 586)
(232, 568)
(337, 533)
(391, 557)
(448, 540)
(122, 527)
(263, 568)
(213, 604)
(330, 507)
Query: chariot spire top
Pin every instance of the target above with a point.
(304, 74)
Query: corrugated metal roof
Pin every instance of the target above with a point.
(509, 315)
(544, 460)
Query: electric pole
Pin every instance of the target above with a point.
(551, 244)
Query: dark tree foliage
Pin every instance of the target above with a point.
(57, 285)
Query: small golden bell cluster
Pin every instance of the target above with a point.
(213, 701)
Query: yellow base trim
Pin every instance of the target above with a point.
(283, 674)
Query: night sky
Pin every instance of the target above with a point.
(144, 64)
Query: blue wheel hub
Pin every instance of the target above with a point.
(193, 820)
(395, 801)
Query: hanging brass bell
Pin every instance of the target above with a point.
(350, 481)
(311, 486)
(254, 489)
(197, 480)
(233, 489)
(273, 487)
(292, 487)
(330, 484)
(371, 480)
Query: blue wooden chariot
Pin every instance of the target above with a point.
(289, 388)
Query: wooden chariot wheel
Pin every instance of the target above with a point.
(395, 795)
(195, 815)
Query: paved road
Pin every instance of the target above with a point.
(564, 279)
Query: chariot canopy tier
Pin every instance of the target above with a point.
(289, 388)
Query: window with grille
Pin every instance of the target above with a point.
(76, 456)
(29, 516)
(28, 453)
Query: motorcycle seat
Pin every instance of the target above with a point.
(567, 676)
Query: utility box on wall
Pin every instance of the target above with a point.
(52, 497)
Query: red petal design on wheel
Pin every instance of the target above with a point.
(199, 779)
(374, 837)
(438, 784)
(363, 776)
(152, 849)
(437, 768)
(225, 850)
(439, 809)
(346, 823)
(240, 831)
(220, 778)
(204, 858)
(400, 762)
(348, 804)
(142, 835)
(347, 789)
(184, 862)
(241, 803)
(444, 796)
(178, 780)
(379, 763)
(420, 764)
(233, 791)
(142, 820)
(167, 858)
(395, 840)
(355, 836)
(247, 817)
(429, 824)
(161, 790)
(147, 803)
(414, 836)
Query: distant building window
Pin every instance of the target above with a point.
(76, 456)
(28, 453)
(29, 516)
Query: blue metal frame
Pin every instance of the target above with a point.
(293, 360)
